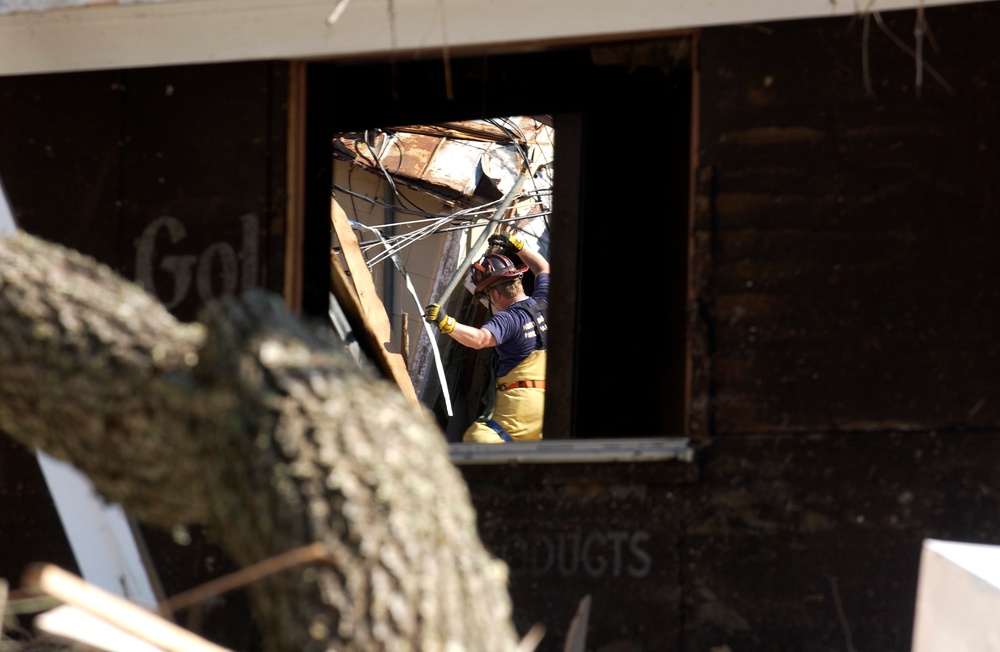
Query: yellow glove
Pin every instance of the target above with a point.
(433, 314)
(508, 243)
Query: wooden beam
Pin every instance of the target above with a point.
(109, 608)
(295, 156)
(365, 302)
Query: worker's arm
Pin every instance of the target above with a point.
(474, 338)
(533, 260)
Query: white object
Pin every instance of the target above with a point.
(99, 534)
(96, 614)
(74, 625)
(958, 598)
(7, 224)
(110, 35)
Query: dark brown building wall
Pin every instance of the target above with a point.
(766, 543)
(174, 177)
(852, 236)
(846, 297)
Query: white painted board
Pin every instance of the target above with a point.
(958, 598)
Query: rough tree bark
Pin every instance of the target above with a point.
(256, 425)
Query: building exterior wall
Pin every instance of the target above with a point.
(842, 306)
(174, 177)
(850, 236)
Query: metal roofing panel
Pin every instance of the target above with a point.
(451, 156)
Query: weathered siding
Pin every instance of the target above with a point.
(852, 238)
(843, 312)
(173, 176)
(845, 358)
(768, 543)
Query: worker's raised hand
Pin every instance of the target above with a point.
(508, 243)
(433, 314)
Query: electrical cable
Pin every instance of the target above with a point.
(427, 326)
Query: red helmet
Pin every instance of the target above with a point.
(493, 268)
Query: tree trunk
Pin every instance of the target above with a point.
(264, 430)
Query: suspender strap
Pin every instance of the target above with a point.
(537, 314)
(522, 383)
(499, 430)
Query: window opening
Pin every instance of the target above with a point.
(422, 201)
(620, 218)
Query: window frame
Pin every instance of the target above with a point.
(569, 260)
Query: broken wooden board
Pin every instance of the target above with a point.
(361, 303)
(104, 621)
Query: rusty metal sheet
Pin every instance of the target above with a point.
(450, 158)
(451, 166)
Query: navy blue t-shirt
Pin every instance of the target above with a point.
(514, 329)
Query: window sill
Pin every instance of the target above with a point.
(574, 451)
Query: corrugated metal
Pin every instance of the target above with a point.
(449, 159)
(437, 161)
